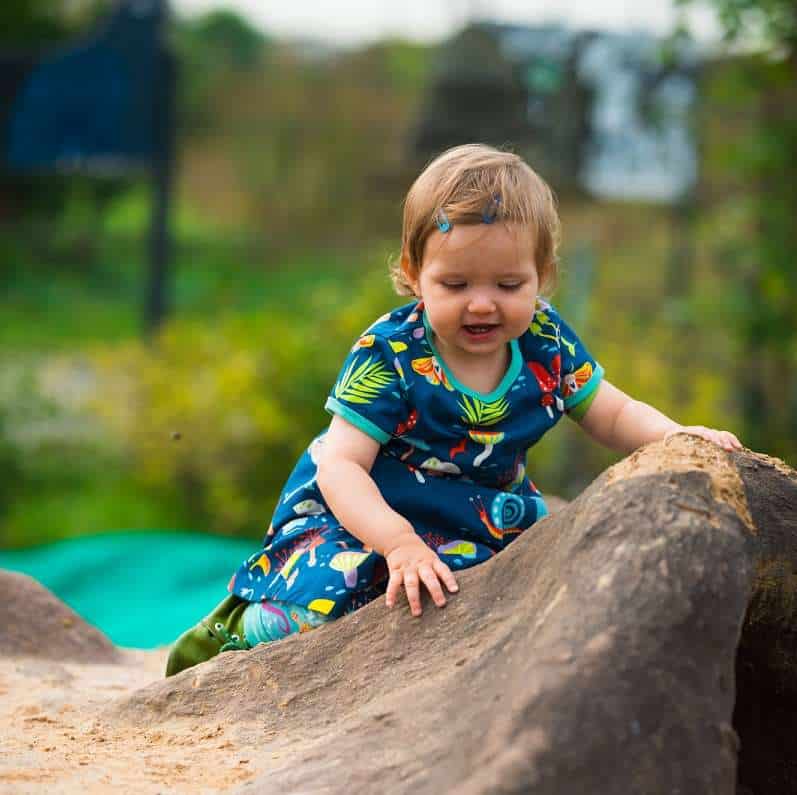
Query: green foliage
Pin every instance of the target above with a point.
(34, 23)
(753, 178)
(284, 152)
(213, 50)
(309, 151)
(767, 23)
(216, 413)
(226, 39)
(10, 469)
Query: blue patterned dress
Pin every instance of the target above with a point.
(452, 460)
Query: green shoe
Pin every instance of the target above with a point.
(221, 631)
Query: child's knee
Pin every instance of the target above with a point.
(236, 624)
(271, 620)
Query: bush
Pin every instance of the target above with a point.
(219, 412)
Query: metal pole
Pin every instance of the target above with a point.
(157, 300)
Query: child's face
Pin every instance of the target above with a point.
(479, 287)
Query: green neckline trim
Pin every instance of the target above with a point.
(515, 363)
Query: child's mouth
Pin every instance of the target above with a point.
(481, 331)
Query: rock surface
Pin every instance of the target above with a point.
(596, 654)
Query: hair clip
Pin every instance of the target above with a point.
(490, 212)
(441, 219)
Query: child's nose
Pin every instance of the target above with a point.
(481, 302)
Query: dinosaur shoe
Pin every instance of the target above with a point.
(222, 630)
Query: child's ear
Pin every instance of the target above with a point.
(410, 273)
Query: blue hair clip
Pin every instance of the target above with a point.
(490, 212)
(441, 219)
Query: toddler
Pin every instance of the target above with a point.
(421, 472)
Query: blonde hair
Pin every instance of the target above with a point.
(462, 182)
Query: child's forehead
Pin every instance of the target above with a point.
(472, 241)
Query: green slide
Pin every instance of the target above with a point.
(142, 589)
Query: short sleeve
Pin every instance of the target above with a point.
(580, 372)
(368, 392)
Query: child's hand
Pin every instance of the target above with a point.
(411, 562)
(723, 438)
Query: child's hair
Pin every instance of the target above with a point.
(462, 182)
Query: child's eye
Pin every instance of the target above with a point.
(454, 285)
(509, 285)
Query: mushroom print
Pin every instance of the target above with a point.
(572, 382)
(294, 526)
(411, 422)
(436, 466)
(489, 439)
(415, 471)
(548, 382)
(460, 548)
(308, 507)
(430, 369)
(346, 563)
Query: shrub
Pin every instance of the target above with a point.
(219, 412)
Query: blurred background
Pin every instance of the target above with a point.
(198, 203)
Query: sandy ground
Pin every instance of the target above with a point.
(55, 739)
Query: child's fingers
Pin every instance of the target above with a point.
(393, 588)
(444, 573)
(412, 587)
(429, 578)
(724, 439)
(732, 440)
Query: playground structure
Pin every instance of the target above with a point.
(102, 105)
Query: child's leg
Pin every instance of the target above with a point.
(236, 624)
(273, 619)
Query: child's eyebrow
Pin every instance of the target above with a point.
(458, 270)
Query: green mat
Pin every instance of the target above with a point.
(142, 589)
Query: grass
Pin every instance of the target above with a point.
(63, 309)
(94, 289)
(75, 303)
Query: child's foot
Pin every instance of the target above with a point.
(221, 631)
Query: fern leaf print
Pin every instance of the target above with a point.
(362, 381)
(478, 413)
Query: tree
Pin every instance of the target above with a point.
(37, 23)
(761, 252)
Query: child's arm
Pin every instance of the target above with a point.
(345, 481)
(618, 421)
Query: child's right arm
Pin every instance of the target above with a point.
(344, 479)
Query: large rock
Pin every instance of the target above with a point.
(595, 655)
(33, 623)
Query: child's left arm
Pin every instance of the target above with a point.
(618, 421)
